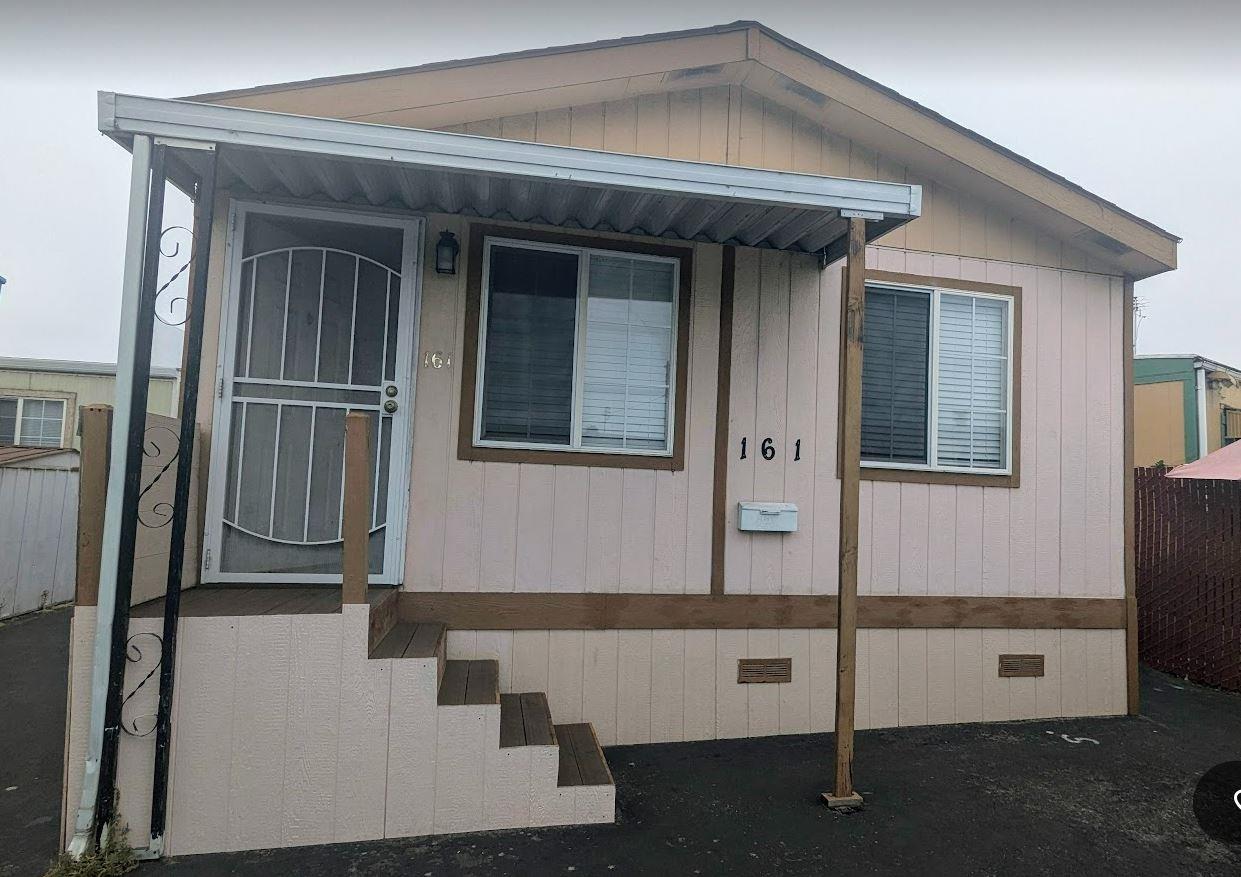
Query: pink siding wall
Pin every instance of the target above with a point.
(1059, 533)
(506, 527)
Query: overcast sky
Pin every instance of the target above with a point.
(1137, 101)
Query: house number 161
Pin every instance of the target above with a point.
(768, 449)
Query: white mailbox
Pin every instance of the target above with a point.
(767, 517)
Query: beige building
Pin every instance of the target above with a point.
(1185, 407)
(40, 398)
(590, 299)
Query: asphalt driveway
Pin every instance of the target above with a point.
(1085, 796)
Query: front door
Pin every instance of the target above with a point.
(320, 312)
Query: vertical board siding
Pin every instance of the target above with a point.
(532, 528)
(658, 686)
(38, 537)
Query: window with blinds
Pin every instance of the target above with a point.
(35, 423)
(895, 345)
(577, 349)
(936, 379)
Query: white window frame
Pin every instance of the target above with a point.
(17, 425)
(579, 349)
(932, 420)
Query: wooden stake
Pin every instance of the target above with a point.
(843, 795)
(96, 423)
(356, 525)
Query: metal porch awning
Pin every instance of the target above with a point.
(283, 155)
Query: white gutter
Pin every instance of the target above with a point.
(237, 126)
(1200, 384)
(131, 294)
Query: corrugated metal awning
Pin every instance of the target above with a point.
(277, 154)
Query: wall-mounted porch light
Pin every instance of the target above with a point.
(446, 250)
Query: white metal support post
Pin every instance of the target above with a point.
(131, 293)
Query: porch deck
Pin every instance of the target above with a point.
(208, 600)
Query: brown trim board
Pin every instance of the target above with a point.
(962, 479)
(1132, 698)
(466, 450)
(545, 611)
(96, 422)
(723, 388)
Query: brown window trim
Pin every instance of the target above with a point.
(467, 450)
(963, 479)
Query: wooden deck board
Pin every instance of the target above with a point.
(452, 686)
(569, 774)
(395, 643)
(483, 683)
(512, 728)
(217, 600)
(425, 641)
(537, 720)
(590, 763)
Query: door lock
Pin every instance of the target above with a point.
(390, 391)
(390, 406)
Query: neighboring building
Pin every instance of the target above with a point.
(1184, 407)
(613, 273)
(40, 398)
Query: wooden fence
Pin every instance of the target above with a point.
(1188, 547)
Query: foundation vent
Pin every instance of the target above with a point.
(1021, 665)
(764, 670)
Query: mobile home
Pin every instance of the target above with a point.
(624, 474)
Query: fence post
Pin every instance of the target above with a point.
(96, 422)
(356, 522)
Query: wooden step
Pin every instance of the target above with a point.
(469, 683)
(408, 639)
(581, 758)
(526, 720)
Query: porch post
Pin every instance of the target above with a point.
(843, 795)
(133, 367)
(96, 422)
(356, 523)
(196, 298)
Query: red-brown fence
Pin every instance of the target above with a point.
(1188, 546)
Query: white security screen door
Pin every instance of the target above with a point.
(320, 319)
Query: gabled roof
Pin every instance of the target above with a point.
(741, 53)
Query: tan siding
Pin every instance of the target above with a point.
(653, 686)
(78, 390)
(699, 124)
(1159, 423)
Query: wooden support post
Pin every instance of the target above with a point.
(1132, 699)
(356, 524)
(843, 795)
(96, 421)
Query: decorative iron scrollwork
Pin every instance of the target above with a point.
(175, 305)
(133, 724)
(156, 442)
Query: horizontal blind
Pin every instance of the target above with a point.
(8, 421)
(42, 423)
(528, 362)
(628, 359)
(895, 344)
(972, 388)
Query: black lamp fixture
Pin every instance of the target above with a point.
(446, 250)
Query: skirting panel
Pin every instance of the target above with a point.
(655, 686)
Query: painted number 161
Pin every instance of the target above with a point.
(768, 449)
